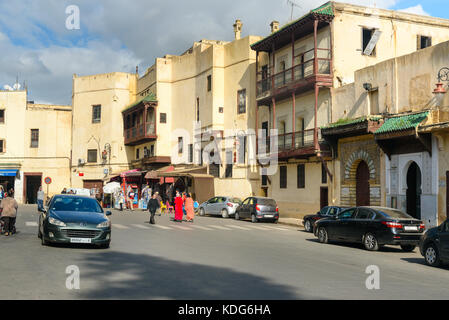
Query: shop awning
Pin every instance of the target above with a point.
(131, 173)
(8, 173)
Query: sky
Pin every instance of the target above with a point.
(117, 35)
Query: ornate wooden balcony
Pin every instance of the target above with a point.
(140, 123)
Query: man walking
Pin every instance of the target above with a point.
(40, 199)
(9, 212)
(153, 205)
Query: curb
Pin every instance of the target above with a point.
(299, 224)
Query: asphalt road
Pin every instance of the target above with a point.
(213, 258)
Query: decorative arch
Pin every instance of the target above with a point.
(353, 162)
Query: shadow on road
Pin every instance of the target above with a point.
(423, 262)
(360, 246)
(135, 276)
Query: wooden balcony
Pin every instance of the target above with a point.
(302, 77)
(140, 134)
(298, 144)
(139, 124)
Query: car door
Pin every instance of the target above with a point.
(343, 224)
(360, 225)
(243, 207)
(209, 207)
(250, 208)
(444, 241)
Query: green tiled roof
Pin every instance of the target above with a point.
(402, 123)
(149, 98)
(346, 121)
(325, 9)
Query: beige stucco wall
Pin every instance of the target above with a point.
(113, 91)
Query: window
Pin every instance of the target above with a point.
(214, 170)
(241, 95)
(152, 150)
(424, 42)
(34, 138)
(197, 109)
(220, 109)
(137, 154)
(2, 146)
(301, 176)
(283, 177)
(2, 116)
(92, 155)
(347, 214)
(190, 153)
(228, 173)
(96, 114)
(264, 180)
(242, 149)
(209, 83)
(163, 118)
(324, 211)
(323, 173)
(332, 212)
(180, 144)
(370, 37)
(365, 214)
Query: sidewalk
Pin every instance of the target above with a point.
(291, 222)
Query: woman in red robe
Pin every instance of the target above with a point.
(178, 207)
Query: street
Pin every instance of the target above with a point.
(213, 258)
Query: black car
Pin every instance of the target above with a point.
(372, 226)
(74, 219)
(434, 245)
(326, 212)
(258, 208)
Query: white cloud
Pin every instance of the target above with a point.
(418, 9)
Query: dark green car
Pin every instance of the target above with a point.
(74, 219)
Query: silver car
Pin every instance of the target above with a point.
(224, 206)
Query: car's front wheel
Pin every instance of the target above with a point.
(322, 235)
(432, 256)
(370, 242)
(408, 247)
(308, 226)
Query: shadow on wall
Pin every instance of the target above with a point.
(135, 276)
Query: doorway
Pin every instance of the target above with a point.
(324, 197)
(362, 185)
(32, 183)
(414, 191)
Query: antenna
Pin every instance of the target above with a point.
(293, 4)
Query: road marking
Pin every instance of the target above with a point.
(31, 224)
(139, 226)
(258, 228)
(200, 227)
(237, 227)
(182, 228)
(119, 226)
(162, 227)
(219, 227)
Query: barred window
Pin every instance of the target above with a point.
(96, 114)
(34, 138)
(241, 100)
(92, 155)
(301, 176)
(283, 177)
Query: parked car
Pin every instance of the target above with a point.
(434, 245)
(224, 206)
(74, 219)
(326, 212)
(373, 227)
(258, 209)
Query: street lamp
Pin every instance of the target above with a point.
(443, 75)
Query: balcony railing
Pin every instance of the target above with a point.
(302, 139)
(304, 67)
(142, 132)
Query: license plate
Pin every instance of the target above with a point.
(410, 228)
(268, 216)
(80, 240)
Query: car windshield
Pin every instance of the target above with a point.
(392, 213)
(266, 202)
(75, 204)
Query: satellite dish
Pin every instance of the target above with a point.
(7, 87)
(17, 86)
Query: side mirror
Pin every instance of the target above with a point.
(108, 213)
(43, 210)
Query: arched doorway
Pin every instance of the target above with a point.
(414, 191)
(362, 184)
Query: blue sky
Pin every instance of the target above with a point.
(117, 35)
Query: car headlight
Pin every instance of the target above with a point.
(56, 222)
(104, 224)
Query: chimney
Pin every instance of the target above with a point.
(274, 26)
(237, 29)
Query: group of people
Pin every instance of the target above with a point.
(183, 204)
(8, 208)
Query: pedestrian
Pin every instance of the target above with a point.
(188, 204)
(40, 199)
(153, 205)
(64, 191)
(9, 208)
(159, 199)
(131, 200)
(178, 207)
(121, 200)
